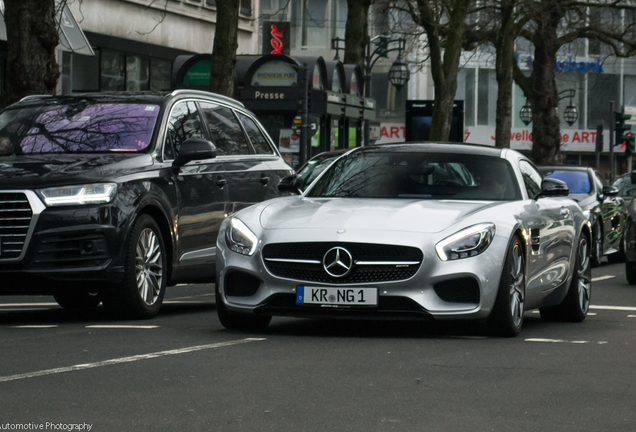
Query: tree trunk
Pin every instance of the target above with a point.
(356, 32)
(444, 70)
(505, 46)
(225, 45)
(31, 41)
(546, 130)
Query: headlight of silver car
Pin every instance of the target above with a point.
(466, 243)
(240, 238)
(98, 193)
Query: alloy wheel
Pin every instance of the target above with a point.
(585, 282)
(516, 285)
(148, 266)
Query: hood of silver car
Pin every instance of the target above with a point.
(426, 216)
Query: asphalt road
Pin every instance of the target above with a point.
(182, 371)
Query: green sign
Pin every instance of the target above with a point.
(198, 75)
(352, 137)
(315, 140)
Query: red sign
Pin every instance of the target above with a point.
(276, 37)
(276, 41)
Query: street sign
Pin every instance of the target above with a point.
(631, 110)
(297, 125)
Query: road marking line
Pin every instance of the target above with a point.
(562, 341)
(588, 314)
(126, 359)
(185, 302)
(35, 326)
(631, 316)
(616, 308)
(122, 326)
(27, 304)
(600, 278)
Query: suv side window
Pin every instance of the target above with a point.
(259, 142)
(184, 123)
(532, 178)
(226, 133)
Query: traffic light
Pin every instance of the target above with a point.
(627, 140)
(620, 127)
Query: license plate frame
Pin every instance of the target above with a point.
(336, 296)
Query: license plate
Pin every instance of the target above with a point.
(337, 296)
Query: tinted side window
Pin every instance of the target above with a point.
(184, 123)
(261, 146)
(532, 179)
(226, 133)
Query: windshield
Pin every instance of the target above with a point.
(76, 127)
(313, 169)
(578, 181)
(389, 174)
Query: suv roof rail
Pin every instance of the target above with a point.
(34, 97)
(225, 99)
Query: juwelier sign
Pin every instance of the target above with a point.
(569, 65)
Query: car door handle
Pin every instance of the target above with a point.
(220, 182)
(264, 180)
(565, 212)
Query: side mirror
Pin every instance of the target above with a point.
(194, 149)
(290, 183)
(551, 187)
(632, 177)
(610, 191)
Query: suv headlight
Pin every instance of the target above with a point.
(240, 238)
(98, 193)
(466, 243)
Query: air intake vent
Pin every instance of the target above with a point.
(15, 218)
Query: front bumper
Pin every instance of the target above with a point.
(461, 289)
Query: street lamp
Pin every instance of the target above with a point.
(571, 114)
(398, 74)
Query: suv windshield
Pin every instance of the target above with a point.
(77, 126)
(389, 174)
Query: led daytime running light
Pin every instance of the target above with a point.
(99, 193)
(239, 238)
(460, 245)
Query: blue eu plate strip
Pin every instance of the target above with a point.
(300, 294)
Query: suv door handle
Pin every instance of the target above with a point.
(264, 180)
(220, 182)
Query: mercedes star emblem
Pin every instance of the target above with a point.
(337, 262)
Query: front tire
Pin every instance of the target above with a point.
(576, 303)
(141, 293)
(235, 321)
(506, 318)
(630, 272)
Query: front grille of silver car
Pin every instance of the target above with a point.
(372, 262)
(15, 219)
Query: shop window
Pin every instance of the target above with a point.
(518, 102)
(137, 73)
(84, 72)
(160, 74)
(246, 7)
(259, 142)
(486, 97)
(113, 71)
(601, 89)
(226, 133)
(466, 92)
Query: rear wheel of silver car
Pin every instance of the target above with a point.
(597, 247)
(506, 318)
(77, 300)
(141, 293)
(235, 321)
(576, 303)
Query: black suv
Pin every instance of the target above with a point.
(112, 197)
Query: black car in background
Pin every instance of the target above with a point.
(605, 210)
(625, 187)
(311, 169)
(112, 197)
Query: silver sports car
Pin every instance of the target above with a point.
(410, 231)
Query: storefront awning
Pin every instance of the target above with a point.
(72, 37)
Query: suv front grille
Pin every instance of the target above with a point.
(15, 218)
(371, 262)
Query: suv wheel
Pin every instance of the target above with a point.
(141, 293)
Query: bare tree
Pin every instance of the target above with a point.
(555, 23)
(225, 45)
(31, 40)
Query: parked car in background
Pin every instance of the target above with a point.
(112, 197)
(601, 204)
(410, 231)
(311, 169)
(625, 187)
(630, 237)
